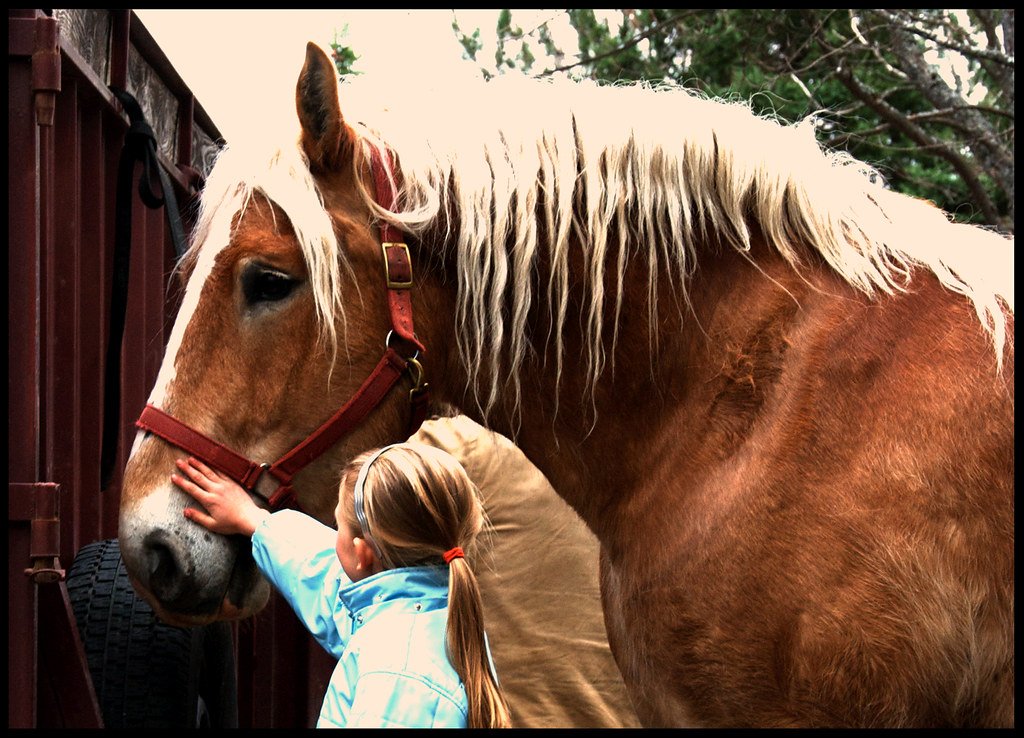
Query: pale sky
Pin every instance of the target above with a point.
(238, 61)
(241, 62)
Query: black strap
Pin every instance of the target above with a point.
(139, 145)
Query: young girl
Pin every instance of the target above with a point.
(390, 594)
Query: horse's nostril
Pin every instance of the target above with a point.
(170, 566)
(166, 575)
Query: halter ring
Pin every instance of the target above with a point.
(252, 477)
(387, 344)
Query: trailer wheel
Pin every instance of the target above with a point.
(148, 674)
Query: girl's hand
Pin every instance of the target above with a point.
(228, 508)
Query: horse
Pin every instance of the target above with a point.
(779, 393)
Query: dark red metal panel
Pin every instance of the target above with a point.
(23, 369)
(61, 206)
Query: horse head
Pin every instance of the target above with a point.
(284, 317)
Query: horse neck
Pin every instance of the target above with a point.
(597, 448)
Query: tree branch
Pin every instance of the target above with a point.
(651, 30)
(1002, 75)
(994, 158)
(987, 54)
(964, 167)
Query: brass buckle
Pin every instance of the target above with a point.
(392, 284)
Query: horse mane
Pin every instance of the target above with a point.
(519, 168)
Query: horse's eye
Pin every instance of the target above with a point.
(261, 284)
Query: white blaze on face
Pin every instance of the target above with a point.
(217, 238)
(284, 179)
(159, 508)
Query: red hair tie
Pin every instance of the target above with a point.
(455, 553)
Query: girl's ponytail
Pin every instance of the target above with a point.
(467, 649)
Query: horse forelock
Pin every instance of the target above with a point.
(279, 175)
(515, 159)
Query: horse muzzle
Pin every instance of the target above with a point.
(187, 574)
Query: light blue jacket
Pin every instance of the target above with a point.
(387, 631)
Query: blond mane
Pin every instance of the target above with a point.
(603, 166)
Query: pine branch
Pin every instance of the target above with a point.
(651, 30)
(916, 134)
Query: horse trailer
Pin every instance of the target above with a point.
(84, 651)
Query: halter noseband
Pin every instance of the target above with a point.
(398, 277)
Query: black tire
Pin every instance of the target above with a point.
(148, 674)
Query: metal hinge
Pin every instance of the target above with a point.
(39, 505)
(39, 38)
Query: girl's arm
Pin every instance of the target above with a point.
(294, 551)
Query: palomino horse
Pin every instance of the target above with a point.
(779, 394)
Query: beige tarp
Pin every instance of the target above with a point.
(538, 573)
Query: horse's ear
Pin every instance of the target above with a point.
(326, 138)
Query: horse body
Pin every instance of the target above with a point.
(789, 515)
(802, 481)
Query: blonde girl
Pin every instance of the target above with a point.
(390, 593)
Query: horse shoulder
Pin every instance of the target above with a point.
(900, 446)
(826, 534)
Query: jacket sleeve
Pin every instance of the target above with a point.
(297, 554)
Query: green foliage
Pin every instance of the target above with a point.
(871, 78)
(470, 44)
(344, 57)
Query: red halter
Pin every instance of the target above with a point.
(398, 276)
